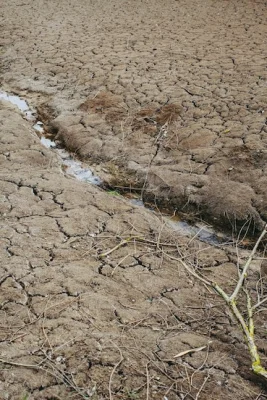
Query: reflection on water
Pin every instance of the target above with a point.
(49, 144)
(137, 202)
(200, 231)
(38, 127)
(74, 168)
(204, 233)
(21, 104)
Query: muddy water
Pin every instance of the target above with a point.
(83, 173)
(73, 166)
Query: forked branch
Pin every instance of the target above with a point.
(247, 326)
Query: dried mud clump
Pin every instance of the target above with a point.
(150, 119)
(100, 103)
(229, 201)
(168, 113)
(105, 103)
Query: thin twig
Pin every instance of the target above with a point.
(201, 387)
(259, 303)
(122, 243)
(119, 263)
(41, 366)
(246, 266)
(34, 366)
(147, 382)
(189, 351)
(113, 372)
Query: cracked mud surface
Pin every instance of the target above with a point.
(72, 304)
(106, 71)
(170, 95)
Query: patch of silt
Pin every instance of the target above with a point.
(136, 151)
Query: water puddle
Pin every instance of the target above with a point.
(72, 167)
(21, 104)
(76, 169)
(199, 231)
(81, 172)
(38, 127)
(49, 144)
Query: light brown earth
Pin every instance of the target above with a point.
(123, 61)
(168, 98)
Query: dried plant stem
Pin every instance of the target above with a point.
(247, 327)
(246, 266)
(50, 369)
(122, 243)
(147, 382)
(113, 372)
(259, 303)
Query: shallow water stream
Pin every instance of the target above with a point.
(82, 172)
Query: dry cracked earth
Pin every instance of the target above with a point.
(166, 99)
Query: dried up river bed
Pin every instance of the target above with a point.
(168, 100)
(83, 172)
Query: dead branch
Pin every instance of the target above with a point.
(113, 371)
(189, 351)
(259, 303)
(247, 265)
(246, 326)
(122, 243)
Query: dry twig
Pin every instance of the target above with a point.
(48, 367)
(247, 327)
(189, 351)
(113, 372)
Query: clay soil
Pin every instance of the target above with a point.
(165, 98)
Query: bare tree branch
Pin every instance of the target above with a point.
(247, 265)
(247, 327)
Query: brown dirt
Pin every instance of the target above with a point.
(79, 313)
(106, 69)
(170, 97)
